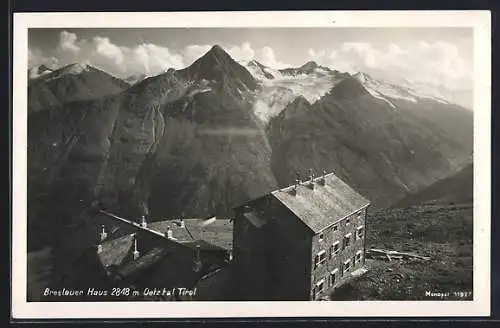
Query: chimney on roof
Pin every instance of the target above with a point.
(100, 239)
(197, 259)
(170, 234)
(136, 251)
(182, 224)
(144, 224)
(103, 234)
(293, 190)
(322, 179)
(229, 256)
(311, 179)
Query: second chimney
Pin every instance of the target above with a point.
(135, 253)
(322, 179)
(170, 234)
(103, 234)
(293, 190)
(144, 224)
(311, 179)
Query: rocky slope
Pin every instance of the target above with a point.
(383, 146)
(185, 141)
(135, 78)
(200, 140)
(457, 189)
(75, 82)
(436, 222)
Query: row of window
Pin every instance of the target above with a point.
(336, 227)
(332, 277)
(335, 247)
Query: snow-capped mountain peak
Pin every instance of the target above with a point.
(136, 78)
(385, 91)
(278, 88)
(406, 90)
(39, 70)
(260, 71)
(76, 68)
(71, 69)
(362, 77)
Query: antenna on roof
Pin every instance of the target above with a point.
(322, 180)
(293, 190)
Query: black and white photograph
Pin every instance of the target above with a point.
(227, 164)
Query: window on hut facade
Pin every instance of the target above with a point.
(318, 288)
(347, 240)
(359, 255)
(334, 249)
(319, 258)
(335, 227)
(359, 232)
(321, 237)
(347, 265)
(333, 276)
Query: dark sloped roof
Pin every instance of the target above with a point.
(116, 250)
(180, 234)
(254, 218)
(135, 268)
(324, 204)
(217, 232)
(204, 246)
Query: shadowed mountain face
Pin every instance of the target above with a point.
(219, 67)
(214, 154)
(384, 151)
(183, 142)
(136, 78)
(456, 189)
(189, 142)
(74, 82)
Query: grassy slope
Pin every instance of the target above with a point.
(456, 189)
(444, 234)
(430, 227)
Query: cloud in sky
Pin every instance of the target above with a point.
(435, 62)
(193, 52)
(108, 50)
(68, 42)
(143, 58)
(264, 55)
(36, 57)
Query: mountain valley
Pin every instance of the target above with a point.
(200, 140)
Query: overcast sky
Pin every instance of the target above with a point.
(432, 55)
